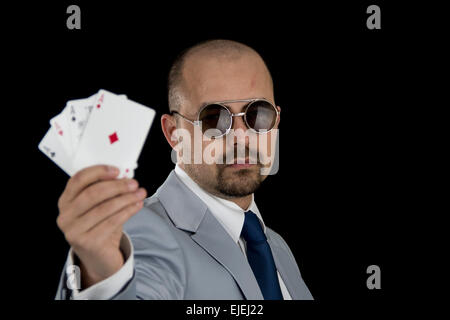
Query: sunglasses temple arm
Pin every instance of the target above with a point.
(195, 123)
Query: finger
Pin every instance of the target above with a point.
(108, 208)
(105, 228)
(86, 177)
(100, 192)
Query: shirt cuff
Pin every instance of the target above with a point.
(109, 287)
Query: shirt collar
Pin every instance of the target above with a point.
(228, 213)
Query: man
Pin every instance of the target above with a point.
(201, 235)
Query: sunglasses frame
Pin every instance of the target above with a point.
(232, 115)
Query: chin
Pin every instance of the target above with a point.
(239, 183)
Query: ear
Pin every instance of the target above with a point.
(279, 115)
(169, 125)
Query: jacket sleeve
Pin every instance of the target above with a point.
(159, 265)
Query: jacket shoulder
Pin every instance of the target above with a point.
(151, 214)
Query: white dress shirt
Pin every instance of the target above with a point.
(229, 215)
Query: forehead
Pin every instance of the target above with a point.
(209, 78)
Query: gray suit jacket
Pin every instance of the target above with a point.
(182, 252)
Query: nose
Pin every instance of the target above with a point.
(238, 122)
(240, 129)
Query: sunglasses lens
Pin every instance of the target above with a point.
(261, 116)
(215, 120)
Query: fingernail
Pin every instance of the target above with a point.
(132, 184)
(113, 170)
(140, 193)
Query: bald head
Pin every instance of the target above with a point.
(210, 72)
(185, 76)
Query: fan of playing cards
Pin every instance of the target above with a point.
(103, 129)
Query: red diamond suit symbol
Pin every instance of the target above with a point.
(113, 138)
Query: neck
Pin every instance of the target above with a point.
(243, 202)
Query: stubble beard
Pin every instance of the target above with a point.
(226, 182)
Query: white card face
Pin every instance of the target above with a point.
(126, 173)
(78, 115)
(61, 126)
(79, 111)
(114, 134)
(50, 145)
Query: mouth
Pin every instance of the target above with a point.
(241, 164)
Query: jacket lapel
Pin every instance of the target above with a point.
(286, 269)
(190, 213)
(215, 240)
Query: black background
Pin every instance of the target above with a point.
(343, 191)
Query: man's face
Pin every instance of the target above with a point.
(209, 79)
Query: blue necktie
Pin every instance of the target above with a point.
(260, 257)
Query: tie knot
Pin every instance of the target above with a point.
(252, 231)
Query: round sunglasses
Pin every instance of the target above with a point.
(260, 115)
